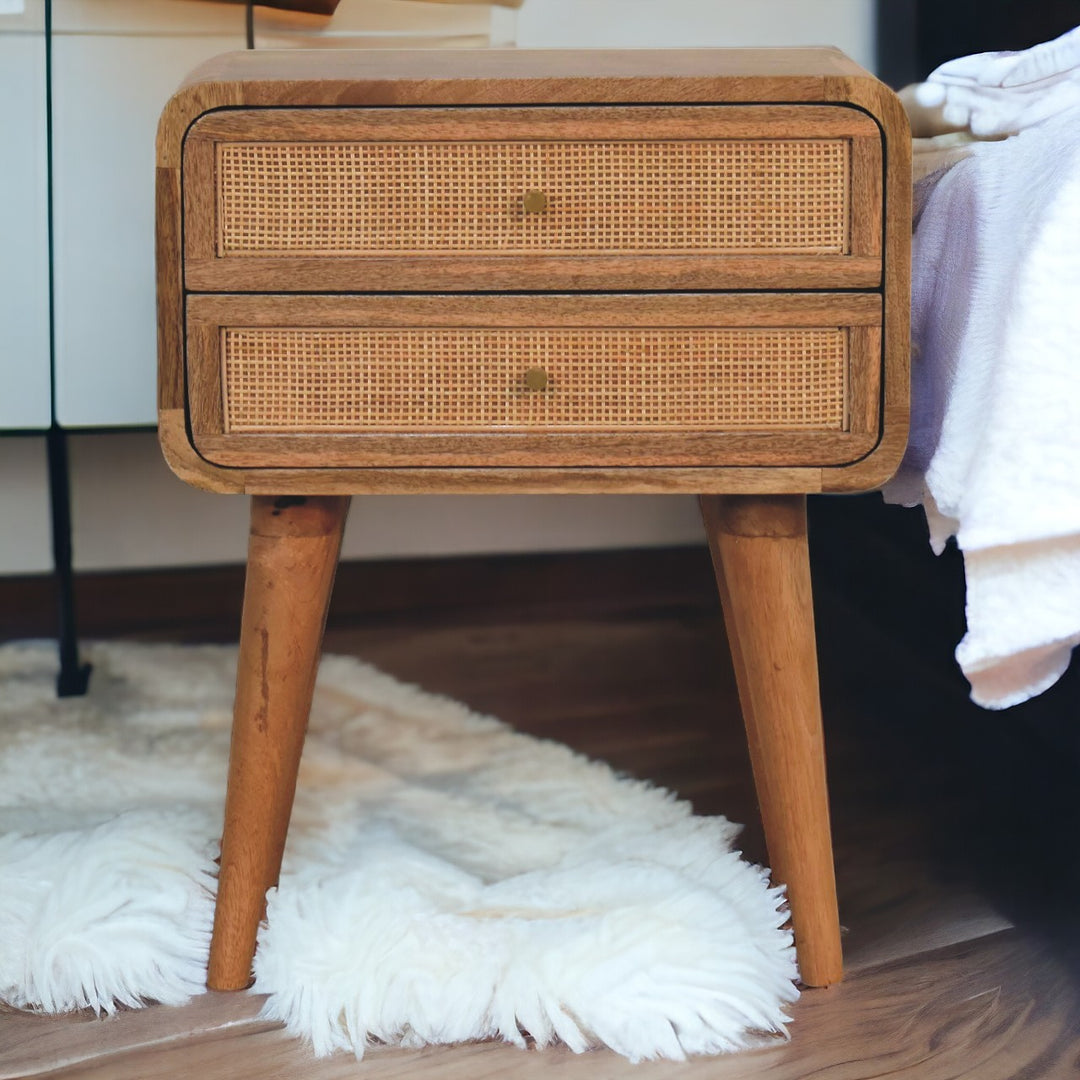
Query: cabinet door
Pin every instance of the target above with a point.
(115, 63)
(24, 239)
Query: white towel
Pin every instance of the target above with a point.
(995, 443)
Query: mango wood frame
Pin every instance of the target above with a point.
(753, 490)
(389, 80)
(206, 270)
(858, 314)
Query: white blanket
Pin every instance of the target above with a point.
(995, 444)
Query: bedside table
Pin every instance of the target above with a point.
(507, 271)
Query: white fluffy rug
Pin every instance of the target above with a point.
(446, 879)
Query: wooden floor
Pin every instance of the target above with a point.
(960, 956)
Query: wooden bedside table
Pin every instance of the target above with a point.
(679, 271)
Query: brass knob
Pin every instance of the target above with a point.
(534, 202)
(536, 379)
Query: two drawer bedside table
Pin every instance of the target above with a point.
(678, 271)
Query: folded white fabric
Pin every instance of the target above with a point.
(1001, 93)
(994, 454)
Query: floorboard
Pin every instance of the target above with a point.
(959, 964)
(996, 1008)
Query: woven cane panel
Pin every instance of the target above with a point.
(457, 198)
(361, 380)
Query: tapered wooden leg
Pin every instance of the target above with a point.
(292, 557)
(760, 555)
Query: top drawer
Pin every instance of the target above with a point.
(470, 198)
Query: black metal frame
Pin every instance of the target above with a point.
(74, 675)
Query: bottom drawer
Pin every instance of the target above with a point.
(627, 380)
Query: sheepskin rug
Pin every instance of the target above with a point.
(446, 879)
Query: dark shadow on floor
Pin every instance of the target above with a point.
(890, 614)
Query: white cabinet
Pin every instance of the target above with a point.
(115, 63)
(24, 237)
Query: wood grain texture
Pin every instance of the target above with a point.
(552, 450)
(208, 316)
(292, 556)
(186, 462)
(751, 554)
(864, 390)
(505, 76)
(646, 266)
(404, 78)
(811, 78)
(495, 273)
(761, 558)
(572, 123)
(867, 193)
(552, 309)
(32, 1043)
(881, 103)
(994, 1009)
(170, 276)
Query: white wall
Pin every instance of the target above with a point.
(848, 24)
(129, 511)
(25, 539)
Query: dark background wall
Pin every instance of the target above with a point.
(919, 597)
(915, 36)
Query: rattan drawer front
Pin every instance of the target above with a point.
(599, 380)
(325, 379)
(451, 195)
(746, 196)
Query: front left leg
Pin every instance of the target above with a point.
(293, 553)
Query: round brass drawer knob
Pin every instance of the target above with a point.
(534, 202)
(536, 379)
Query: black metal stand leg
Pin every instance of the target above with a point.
(74, 677)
